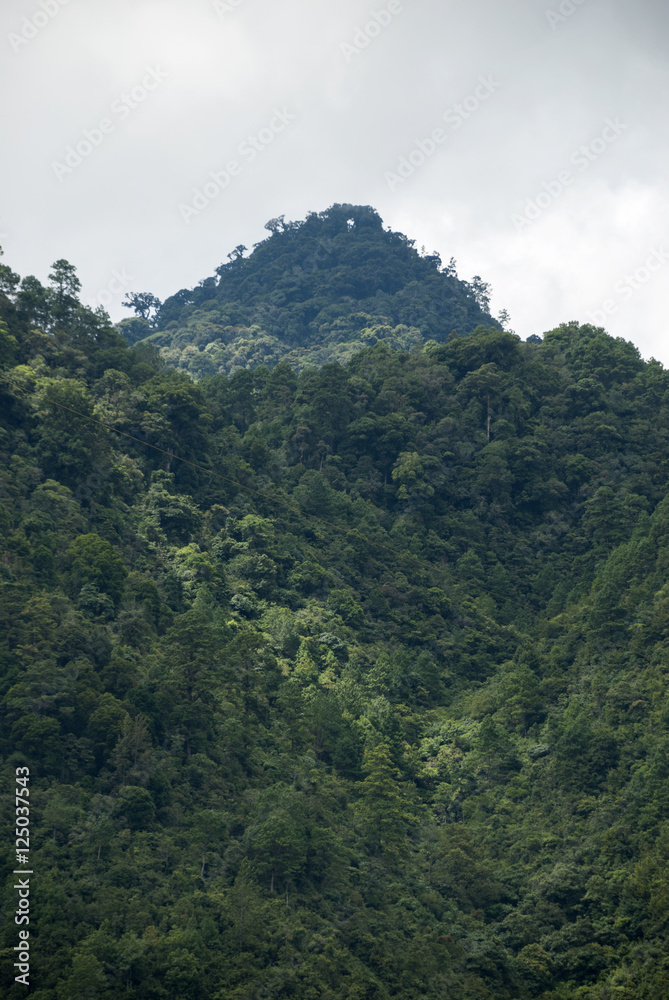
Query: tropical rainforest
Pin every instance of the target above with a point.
(335, 637)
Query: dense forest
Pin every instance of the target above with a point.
(342, 674)
(315, 292)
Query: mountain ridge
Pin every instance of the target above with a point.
(345, 682)
(312, 292)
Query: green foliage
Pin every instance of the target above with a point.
(94, 561)
(312, 293)
(383, 807)
(342, 675)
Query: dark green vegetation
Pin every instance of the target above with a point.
(345, 683)
(313, 292)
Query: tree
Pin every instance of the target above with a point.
(237, 253)
(33, 302)
(410, 472)
(245, 907)
(9, 280)
(66, 285)
(494, 749)
(278, 842)
(136, 807)
(504, 318)
(481, 292)
(191, 651)
(93, 560)
(168, 515)
(145, 304)
(8, 344)
(209, 830)
(132, 755)
(276, 225)
(383, 808)
(70, 443)
(39, 740)
(486, 383)
(63, 276)
(522, 696)
(105, 726)
(86, 981)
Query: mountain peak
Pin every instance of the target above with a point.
(313, 291)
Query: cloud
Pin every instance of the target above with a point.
(228, 69)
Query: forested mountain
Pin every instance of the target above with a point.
(313, 292)
(340, 682)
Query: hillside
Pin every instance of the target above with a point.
(313, 292)
(345, 682)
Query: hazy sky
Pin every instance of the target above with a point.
(144, 139)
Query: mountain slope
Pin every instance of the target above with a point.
(312, 292)
(347, 682)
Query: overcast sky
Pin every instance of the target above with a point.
(526, 138)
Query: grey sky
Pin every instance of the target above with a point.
(551, 102)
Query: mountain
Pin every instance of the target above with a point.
(313, 292)
(342, 682)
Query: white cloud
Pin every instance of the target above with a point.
(354, 120)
